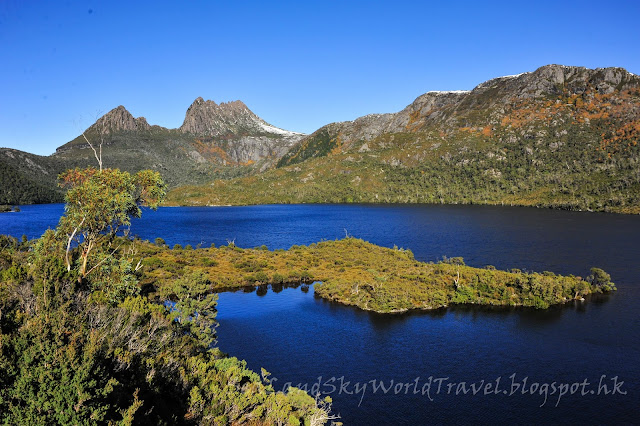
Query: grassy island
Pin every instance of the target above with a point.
(354, 272)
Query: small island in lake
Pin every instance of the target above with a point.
(373, 278)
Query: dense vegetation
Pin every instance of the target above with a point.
(179, 157)
(81, 342)
(31, 179)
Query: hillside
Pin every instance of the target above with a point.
(215, 141)
(27, 178)
(562, 137)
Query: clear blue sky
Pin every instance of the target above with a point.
(298, 64)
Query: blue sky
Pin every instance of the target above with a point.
(299, 65)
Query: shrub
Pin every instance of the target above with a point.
(261, 277)
(209, 262)
(453, 260)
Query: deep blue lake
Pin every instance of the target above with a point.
(301, 339)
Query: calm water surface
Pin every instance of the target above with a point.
(304, 340)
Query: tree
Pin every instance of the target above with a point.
(195, 306)
(601, 280)
(99, 203)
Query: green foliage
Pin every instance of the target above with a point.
(57, 376)
(453, 260)
(600, 280)
(319, 144)
(115, 279)
(354, 272)
(20, 185)
(195, 306)
(99, 204)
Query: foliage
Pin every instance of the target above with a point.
(194, 306)
(27, 178)
(600, 280)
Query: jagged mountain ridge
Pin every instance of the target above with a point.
(240, 134)
(560, 136)
(451, 110)
(214, 140)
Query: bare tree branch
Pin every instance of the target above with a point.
(95, 153)
(73, 234)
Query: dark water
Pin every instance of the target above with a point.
(301, 339)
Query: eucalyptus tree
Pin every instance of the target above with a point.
(99, 203)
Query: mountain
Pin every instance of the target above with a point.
(484, 106)
(222, 140)
(560, 136)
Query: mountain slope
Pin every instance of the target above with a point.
(564, 137)
(214, 140)
(27, 178)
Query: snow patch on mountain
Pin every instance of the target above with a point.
(278, 131)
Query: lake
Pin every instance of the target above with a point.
(480, 359)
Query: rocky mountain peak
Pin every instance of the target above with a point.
(119, 119)
(209, 119)
(449, 111)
